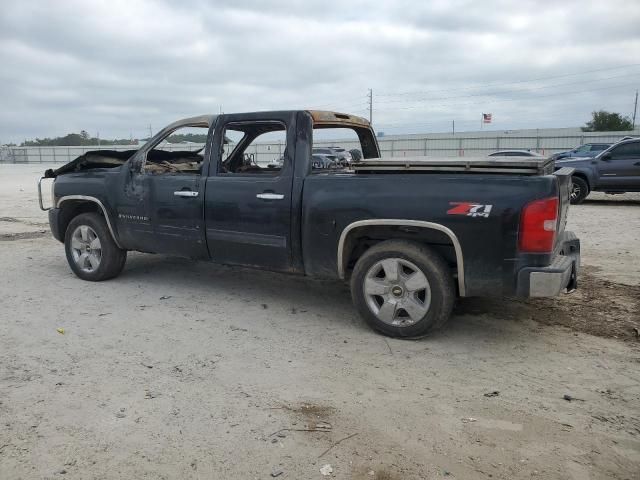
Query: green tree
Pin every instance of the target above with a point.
(604, 121)
(77, 139)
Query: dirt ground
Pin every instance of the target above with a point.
(189, 370)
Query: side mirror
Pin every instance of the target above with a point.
(606, 157)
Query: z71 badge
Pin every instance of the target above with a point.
(470, 209)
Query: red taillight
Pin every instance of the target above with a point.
(538, 226)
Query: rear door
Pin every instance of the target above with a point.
(248, 190)
(619, 168)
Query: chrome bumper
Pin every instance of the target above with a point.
(561, 275)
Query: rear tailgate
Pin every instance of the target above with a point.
(564, 189)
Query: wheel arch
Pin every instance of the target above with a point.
(73, 205)
(346, 245)
(584, 176)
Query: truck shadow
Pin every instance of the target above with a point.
(311, 300)
(598, 307)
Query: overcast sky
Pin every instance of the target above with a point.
(116, 67)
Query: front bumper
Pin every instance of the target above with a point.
(560, 275)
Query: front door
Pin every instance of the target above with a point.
(161, 210)
(248, 190)
(620, 169)
(176, 214)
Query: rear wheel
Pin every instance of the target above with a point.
(403, 289)
(91, 252)
(579, 190)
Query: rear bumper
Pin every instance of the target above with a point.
(561, 275)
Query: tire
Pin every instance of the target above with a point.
(429, 299)
(579, 190)
(91, 252)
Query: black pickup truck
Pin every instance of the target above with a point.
(410, 234)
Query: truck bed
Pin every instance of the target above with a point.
(516, 165)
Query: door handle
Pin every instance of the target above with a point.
(185, 193)
(270, 196)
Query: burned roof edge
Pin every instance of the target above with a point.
(322, 117)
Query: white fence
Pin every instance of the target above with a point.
(451, 145)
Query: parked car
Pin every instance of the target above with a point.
(614, 170)
(343, 155)
(409, 236)
(586, 150)
(515, 153)
(329, 154)
(324, 162)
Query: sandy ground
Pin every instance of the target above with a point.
(185, 370)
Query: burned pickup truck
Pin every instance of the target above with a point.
(409, 234)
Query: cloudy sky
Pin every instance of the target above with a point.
(116, 67)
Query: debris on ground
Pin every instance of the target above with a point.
(336, 443)
(60, 331)
(569, 398)
(468, 420)
(165, 297)
(326, 470)
(311, 427)
(276, 473)
(495, 393)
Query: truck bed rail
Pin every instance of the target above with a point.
(521, 166)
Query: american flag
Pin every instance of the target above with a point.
(486, 118)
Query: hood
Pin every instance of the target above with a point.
(571, 160)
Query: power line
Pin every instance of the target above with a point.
(511, 83)
(359, 106)
(509, 91)
(445, 118)
(491, 102)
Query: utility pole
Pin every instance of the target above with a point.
(150, 131)
(635, 109)
(453, 127)
(98, 136)
(370, 105)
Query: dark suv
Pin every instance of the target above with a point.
(614, 170)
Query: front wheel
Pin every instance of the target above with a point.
(579, 190)
(403, 289)
(91, 252)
